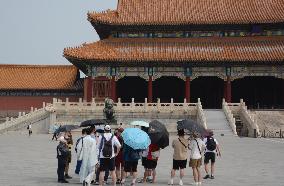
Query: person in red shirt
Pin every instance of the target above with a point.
(152, 160)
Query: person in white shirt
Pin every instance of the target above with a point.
(30, 129)
(196, 147)
(88, 155)
(107, 163)
(212, 148)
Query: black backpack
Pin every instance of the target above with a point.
(211, 144)
(134, 154)
(107, 149)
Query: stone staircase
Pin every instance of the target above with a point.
(216, 121)
(240, 127)
(38, 118)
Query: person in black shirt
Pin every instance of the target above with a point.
(62, 154)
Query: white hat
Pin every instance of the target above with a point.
(107, 128)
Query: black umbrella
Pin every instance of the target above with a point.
(158, 134)
(66, 128)
(93, 122)
(191, 126)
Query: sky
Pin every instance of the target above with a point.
(37, 31)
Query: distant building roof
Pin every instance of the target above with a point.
(40, 77)
(182, 12)
(240, 49)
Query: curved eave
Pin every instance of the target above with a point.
(117, 23)
(104, 29)
(81, 63)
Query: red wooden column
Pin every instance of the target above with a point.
(113, 89)
(187, 89)
(225, 90)
(88, 88)
(150, 89)
(228, 90)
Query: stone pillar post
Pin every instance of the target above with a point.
(113, 89)
(150, 89)
(187, 89)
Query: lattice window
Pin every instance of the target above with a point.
(102, 88)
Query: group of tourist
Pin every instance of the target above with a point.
(209, 146)
(100, 154)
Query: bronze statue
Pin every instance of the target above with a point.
(109, 111)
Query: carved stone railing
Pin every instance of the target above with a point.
(93, 108)
(249, 119)
(24, 119)
(131, 107)
(246, 117)
(200, 115)
(229, 115)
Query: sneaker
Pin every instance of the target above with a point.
(199, 183)
(212, 177)
(180, 182)
(95, 183)
(171, 182)
(206, 177)
(195, 183)
(149, 180)
(63, 181)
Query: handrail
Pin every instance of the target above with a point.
(229, 115)
(250, 119)
(200, 114)
(23, 117)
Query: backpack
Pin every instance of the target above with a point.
(134, 154)
(211, 144)
(107, 149)
(77, 142)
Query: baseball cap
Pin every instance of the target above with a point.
(107, 128)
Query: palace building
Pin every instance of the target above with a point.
(178, 49)
(26, 86)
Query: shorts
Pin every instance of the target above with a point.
(107, 164)
(195, 163)
(130, 166)
(144, 161)
(209, 156)
(179, 164)
(151, 164)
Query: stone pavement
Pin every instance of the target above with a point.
(31, 161)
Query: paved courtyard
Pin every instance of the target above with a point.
(31, 161)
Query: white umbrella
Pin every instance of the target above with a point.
(140, 123)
